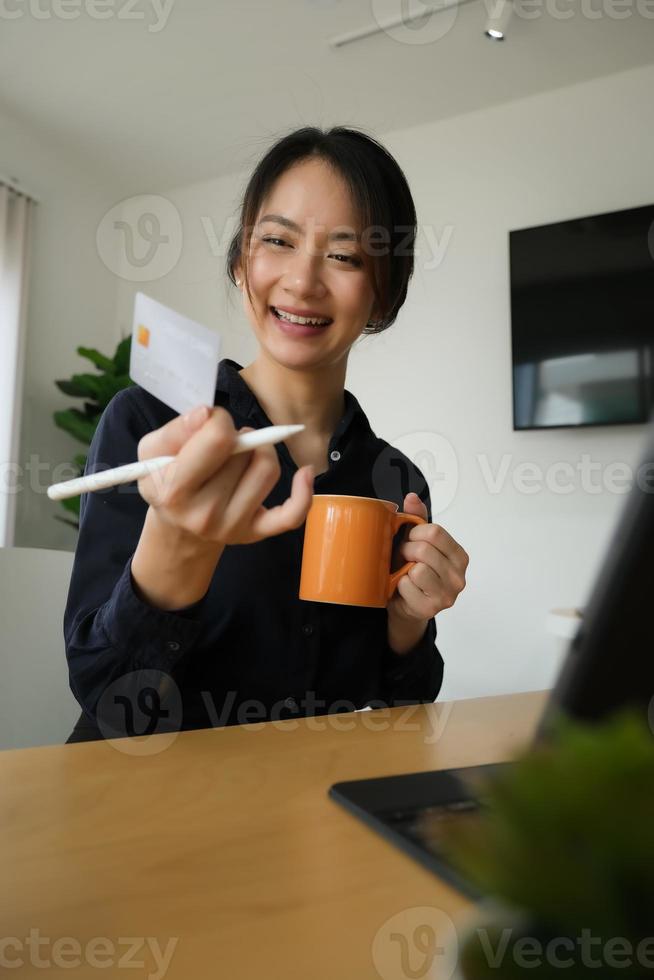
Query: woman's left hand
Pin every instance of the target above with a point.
(439, 575)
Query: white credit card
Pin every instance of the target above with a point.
(172, 357)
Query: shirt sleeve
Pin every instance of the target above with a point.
(417, 675)
(109, 630)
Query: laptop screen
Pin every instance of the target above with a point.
(610, 662)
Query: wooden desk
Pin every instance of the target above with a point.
(228, 841)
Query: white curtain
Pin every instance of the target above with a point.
(15, 217)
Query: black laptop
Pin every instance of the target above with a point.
(609, 665)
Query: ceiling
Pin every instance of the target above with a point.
(156, 96)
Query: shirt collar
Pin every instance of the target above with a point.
(244, 402)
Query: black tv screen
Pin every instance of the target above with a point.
(582, 320)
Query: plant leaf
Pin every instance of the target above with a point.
(64, 521)
(100, 360)
(71, 388)
(76, 424)
(580, 811)
(122, 356)
(71, 504)
(81, 385)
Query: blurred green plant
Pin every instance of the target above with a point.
(565, 842)
(97, 390)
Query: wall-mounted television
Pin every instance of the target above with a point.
(582, 321)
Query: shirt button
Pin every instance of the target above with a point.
(291, 704)
(335, 455)
(307, 629)
(173, 646)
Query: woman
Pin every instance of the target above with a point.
(190, 585)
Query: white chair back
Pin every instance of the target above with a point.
(37, 706)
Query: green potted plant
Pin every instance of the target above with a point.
(565, 847)
(97, 390)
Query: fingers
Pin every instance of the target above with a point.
(290, 514)
(214, 494)
(437, 536)
(259, 478)
(435, 573)
(206, 449)
(418, 604)
(202, 511)
(424, 552)
(169, 438)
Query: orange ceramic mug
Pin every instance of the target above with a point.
(348, 544)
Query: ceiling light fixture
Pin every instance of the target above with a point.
(499, 19)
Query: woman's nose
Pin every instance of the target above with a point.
(304, 273)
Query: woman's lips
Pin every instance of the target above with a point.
(297, 329)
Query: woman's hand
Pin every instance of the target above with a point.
(439, 575)
(211, 495)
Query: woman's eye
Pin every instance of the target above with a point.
(347, 258)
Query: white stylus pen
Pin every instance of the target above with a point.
(134, 471)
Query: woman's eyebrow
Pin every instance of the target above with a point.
(338, 236)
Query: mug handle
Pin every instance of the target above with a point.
(394, 577)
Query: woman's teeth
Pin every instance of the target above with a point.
(305, 321)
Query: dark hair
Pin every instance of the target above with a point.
(380, 193)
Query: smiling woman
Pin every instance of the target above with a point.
(379, 228)
(198, 580)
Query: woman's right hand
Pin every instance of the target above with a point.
(211, 495)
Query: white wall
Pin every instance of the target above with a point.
(446, 362)
(71, 303)
(578, 151)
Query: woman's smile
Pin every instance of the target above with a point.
(296, 329)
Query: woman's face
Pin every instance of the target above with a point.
(303, 269)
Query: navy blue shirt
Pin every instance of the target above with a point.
(250, 649)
